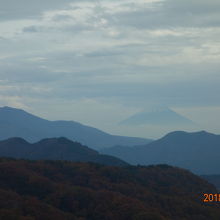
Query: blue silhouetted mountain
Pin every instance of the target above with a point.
(18, 123)
(54, 149)
(214, 179)
(197, 151)
(158, 116)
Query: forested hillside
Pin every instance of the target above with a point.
(54, 149)
(66, 190)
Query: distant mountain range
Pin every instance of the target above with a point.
(197, 151)
(158, 116)
(18, 123)
(54, 149)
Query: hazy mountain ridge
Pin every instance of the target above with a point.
(213, 179)
(197, 151)
(54, 149)
(72, 191)
(18, 123)
(158, 116)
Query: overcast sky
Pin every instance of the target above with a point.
(100, 61)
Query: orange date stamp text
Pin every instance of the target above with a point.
(210, 197)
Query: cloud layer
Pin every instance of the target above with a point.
(128, 53)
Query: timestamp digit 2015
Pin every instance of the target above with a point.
(210, 197)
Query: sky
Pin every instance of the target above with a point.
(101, 61)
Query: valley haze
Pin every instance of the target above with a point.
(196, 151)
(18, 123)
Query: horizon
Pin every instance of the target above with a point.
(60, 119)
(101, 62)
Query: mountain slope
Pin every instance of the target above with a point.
(18, 123)
(65, 190)
(197, 151)
(213, 179)
(54, 149)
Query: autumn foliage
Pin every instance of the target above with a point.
(45, 190)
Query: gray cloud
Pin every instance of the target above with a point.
(172, 13)
(25, 71)
(28, 9)
(130, 54)
(31, 29)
